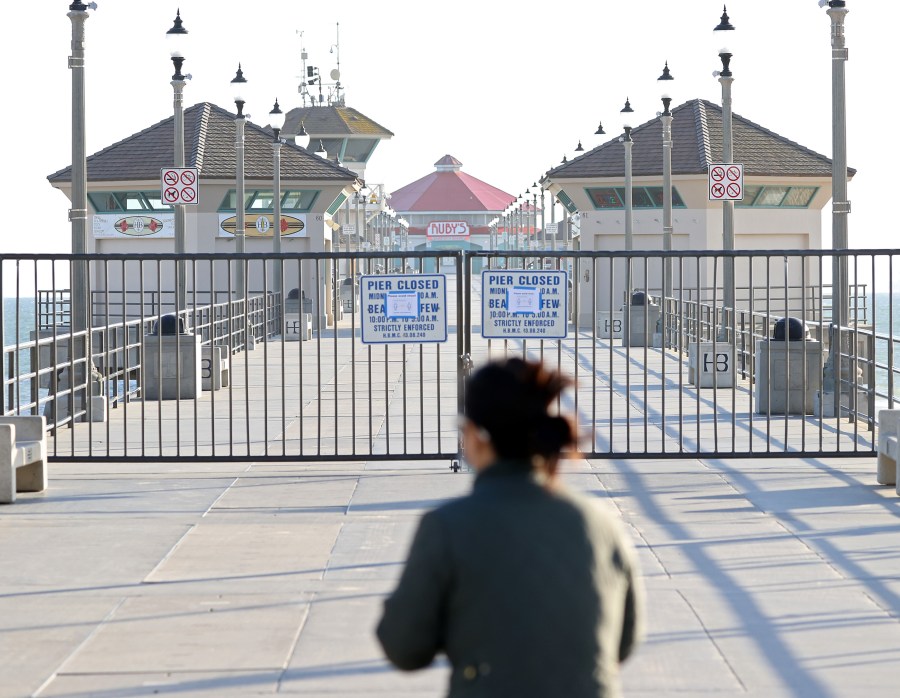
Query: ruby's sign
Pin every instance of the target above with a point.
(446, 229)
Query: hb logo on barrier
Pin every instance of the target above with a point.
(721, 362)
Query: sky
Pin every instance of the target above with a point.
(506, 87)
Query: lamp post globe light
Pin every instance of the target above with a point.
(840, 204)
(666, 118)
(276, 121)
(627, 124)
(177, 40)
(238, 87)
(724, 34)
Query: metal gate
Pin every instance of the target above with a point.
(285, 373)
(663, 368)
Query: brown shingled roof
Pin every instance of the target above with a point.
(331, 121)
(697, 142)
(209, 146)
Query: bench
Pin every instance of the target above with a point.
(23, 456)
(888, 448)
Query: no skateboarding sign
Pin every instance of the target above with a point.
(726, 182)
(179, 185)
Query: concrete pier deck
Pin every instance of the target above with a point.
(764, 578)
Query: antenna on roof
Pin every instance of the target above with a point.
(302, 88)
(336, 97)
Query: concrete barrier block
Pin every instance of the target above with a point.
(888, 428)
(178, 356)
(787, 390)
(711, 364)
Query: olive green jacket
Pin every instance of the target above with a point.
(529, 590)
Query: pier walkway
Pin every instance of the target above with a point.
(765, 577)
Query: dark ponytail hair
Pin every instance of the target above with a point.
(510, 400)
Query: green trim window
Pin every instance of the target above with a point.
(262, 200)
(777, 196)
(641, 197)
(127, 201)
(358, 149)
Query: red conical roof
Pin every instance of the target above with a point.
(449, 189)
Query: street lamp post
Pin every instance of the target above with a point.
(238, 85)
(627, 115)
(79, 301)
(726, 29)
(276, 121)
(177, 38)
(666, 119)
(544, 221)
(840, 204)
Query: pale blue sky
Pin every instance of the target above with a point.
(506, 87)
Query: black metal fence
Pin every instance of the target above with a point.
(285, 374)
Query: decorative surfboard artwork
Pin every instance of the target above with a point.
(107, 225)
(260, 225)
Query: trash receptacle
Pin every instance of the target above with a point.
(794, 328)
(641, 317)
(169, 324)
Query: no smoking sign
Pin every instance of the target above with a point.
(178, 185)
(726, 182)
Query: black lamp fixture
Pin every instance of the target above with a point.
(302, 138)
(600, 131)
(579, 148)
(627, 115)
(238, 85)
(666, 98)
(177, 38)
(276, 119)
(725, 54)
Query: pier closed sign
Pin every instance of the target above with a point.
(518, 304)
(403, 308)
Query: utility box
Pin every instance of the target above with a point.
(782, 386)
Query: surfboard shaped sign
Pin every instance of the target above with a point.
(117, 225)
(261, 225)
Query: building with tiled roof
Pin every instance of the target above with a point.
(449, 209)
(786, 186)
(344, 132)
(128, 214)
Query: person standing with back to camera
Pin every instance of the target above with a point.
(530, 590)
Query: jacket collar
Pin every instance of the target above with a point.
(507, 468)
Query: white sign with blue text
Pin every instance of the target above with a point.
(524, 304)
(403, 308)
